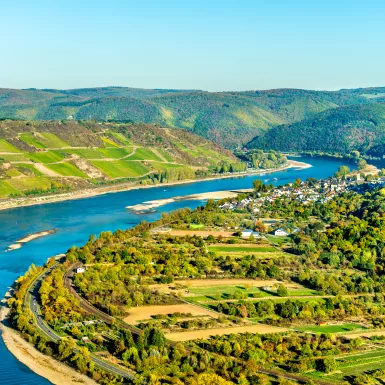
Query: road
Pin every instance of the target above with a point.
(89, 308)
(50, 334)
(85, 305)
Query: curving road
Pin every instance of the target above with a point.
(50, 334)
(88, 307)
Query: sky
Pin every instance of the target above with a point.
(214, 45)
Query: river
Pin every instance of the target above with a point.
(75, 220)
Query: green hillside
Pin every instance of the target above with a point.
(48, 157)
(338, 130)
(230, 119)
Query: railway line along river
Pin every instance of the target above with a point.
(76, 220)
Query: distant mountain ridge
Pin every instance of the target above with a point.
(231, 119)
(340, 130)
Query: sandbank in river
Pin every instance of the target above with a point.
(18, 244)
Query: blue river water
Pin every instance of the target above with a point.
(76, 220)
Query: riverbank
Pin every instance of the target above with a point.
(54, 371)
(87, 193)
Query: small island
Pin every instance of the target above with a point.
(30, 237)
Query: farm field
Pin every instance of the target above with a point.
(190, 283)
(355, 364)
(6, 189)
(98, 153)
(137, 314)
(165, 166)
(66, 169)
(26, 166)
(330, 328)
(202, 233)
(29, 183)
(14, 157)
(165, 155)
(205, 294)
(46, 156)
(242, 248)
(101, 153)
(202, 291)
(207, 333)
(119, 137)
(144, 154)
(365, 334)
(121, 168)
(7, 147)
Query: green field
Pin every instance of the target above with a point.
(120, 138)
(46, 156)
(30, 139)
(30, 183)
(30, 167)
(355, 364)
(120, 168)
(101, 153)
(144, 154)
(241, 249)
(165, 166)
(43, 140)
(7, 147)
(330, 328)
(13, 172)
(108, 143)
(222, 292)
(66, 169)
(166, 155)
(197, 226)
(16, 157)
(6, 189)
(278, 240)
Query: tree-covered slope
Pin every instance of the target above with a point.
(338, 130)
(231, 119)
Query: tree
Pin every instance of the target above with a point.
(257, 185)
(157, 338)
(342, 172)
(297, 183)
(209, 379)
(328, 364)
(282, 291)
(362, 164)
(66, 348)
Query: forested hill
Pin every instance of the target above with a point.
(339, 130)
(48, 157)
(231, 119)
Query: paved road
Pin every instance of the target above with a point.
(48, 332)
(85, 305)
(89, 308)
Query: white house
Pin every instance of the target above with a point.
(280, 232)
(80, 269)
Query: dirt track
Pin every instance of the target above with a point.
(202, 233)
(145, 312)
(206, 333)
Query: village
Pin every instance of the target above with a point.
(310, 191)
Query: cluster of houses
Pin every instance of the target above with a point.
(319, 191)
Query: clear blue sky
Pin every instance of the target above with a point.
(200, 44)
